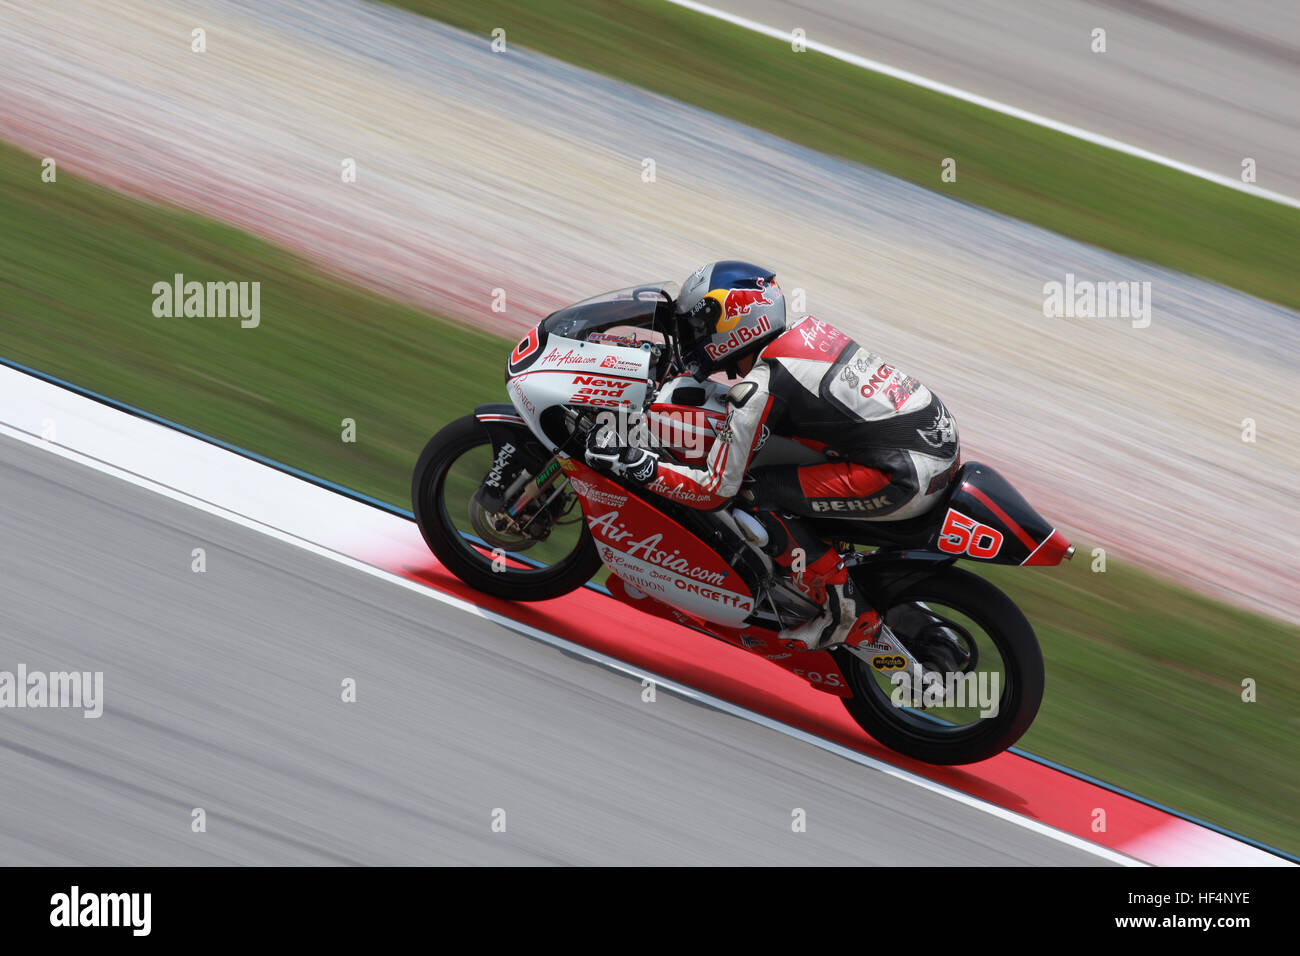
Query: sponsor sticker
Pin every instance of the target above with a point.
(859, 505)
(738, 338)
(660, 487)
(647, 549)
(605, 338)
(888, 662)
(498, 465)
(616, 364)
(567, 357)
(596, 495)
(737, 303)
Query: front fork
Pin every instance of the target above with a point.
(550, 481)
(506, 428)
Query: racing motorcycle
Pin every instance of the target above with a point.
(505, 500)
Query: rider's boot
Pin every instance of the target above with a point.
(845, 617)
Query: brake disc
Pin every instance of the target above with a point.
(485, 524)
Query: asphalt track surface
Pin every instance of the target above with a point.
(223, 691)
(1204, 82)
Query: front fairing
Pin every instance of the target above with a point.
(603, 354)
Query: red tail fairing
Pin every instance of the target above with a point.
(987, 519)
(1050, 552)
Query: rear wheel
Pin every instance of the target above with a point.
(982, 680)
(552, 555)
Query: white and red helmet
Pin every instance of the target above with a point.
(728, 310)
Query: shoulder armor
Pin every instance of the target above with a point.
(740, 393)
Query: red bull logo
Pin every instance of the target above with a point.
(739, 301)
(736, 304)
(738, 338)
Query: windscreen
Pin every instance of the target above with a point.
(636, 306)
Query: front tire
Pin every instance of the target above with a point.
(936, 741)
(458, 554)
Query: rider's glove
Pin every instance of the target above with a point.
(604, 453)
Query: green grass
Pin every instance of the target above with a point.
(77, 265)
(1144, 677)
(1144, 690)
(1083, 191)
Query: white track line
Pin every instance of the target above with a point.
(1005, 108)
(568, 646)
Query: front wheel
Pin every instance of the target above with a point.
(982, 680)
(555, 556)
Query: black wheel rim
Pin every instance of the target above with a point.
(448, 493)
(945, 704)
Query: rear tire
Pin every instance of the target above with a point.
(1022, 661)
(458, 555)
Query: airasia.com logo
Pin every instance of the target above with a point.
(554, 357)
(647, 549)
(739, 338)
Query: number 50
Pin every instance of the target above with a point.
(963, 535)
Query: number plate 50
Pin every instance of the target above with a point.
(964, 535)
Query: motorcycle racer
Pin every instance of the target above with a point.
(889, 444)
